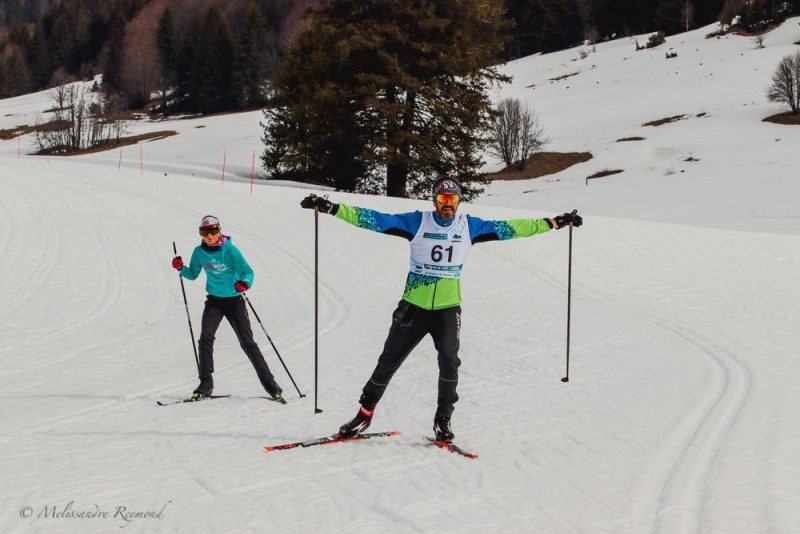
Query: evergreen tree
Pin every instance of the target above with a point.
(211, 78)
(387, 92)
(59, 27)
(706, 11)
(560, 25)
(3, 79)
(186, 78)
(19, 34)
(165, 41)
(669, 16)
(39, 58)
(18, 80)
(252, 64)
(112, 67)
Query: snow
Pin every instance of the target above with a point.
(681, 413)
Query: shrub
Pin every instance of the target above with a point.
(656, 39)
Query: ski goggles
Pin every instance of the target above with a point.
(447, 198)
(209, 230)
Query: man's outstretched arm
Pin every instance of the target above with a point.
(481, 230)
(400, 224)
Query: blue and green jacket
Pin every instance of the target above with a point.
(428, 292)
(224, 265)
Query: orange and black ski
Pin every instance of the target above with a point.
(330, 440)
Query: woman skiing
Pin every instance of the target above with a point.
(228, 276)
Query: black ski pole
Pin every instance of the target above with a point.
(273, 345)
(188, 317)
(316, 308)
(569, 294)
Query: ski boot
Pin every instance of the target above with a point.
(204, 389)
(358, 424)
(274, 390)
(442, 430)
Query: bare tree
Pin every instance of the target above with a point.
(82, 122)
(785, 87)
(517, 133)
(60, 80)
(141, 65)
(68, 129)
(687, 14)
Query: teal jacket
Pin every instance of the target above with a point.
(224, 265)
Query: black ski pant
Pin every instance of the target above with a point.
(233, 309)
(410, 324)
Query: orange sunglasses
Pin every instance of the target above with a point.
(444, 198)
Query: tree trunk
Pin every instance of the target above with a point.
(397, 169)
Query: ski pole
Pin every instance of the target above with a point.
(569, 294)
(188, 317)
(316, 308)
(273, 345)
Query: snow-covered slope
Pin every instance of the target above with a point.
(680, 414)
(743, 178)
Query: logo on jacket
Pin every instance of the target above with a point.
(431, 235)
(215, 267)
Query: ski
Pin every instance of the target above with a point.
(329, 440)
(190, 399)
(452, 448)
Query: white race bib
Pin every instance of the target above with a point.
(440, 251)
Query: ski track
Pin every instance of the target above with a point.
(671, 494)
(37, 273)
(110, 294)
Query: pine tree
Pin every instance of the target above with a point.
(252, 64)
(19, 34)
(668, 15)
(19, 78)
(387, 92)
(185, 75)
(112, 67)
(3, 79)
(211, 81)
(165, 41)
(39, 58)
(59, 27)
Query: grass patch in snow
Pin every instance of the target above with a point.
(626, 139)
(784, 118)
(564, 77)
(542, 164)
(603, 173)
(24, 129)
(665, 120)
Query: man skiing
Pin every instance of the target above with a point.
(431, 301)
(228, 276)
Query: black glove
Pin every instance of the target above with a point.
(323, 204)
(568, 218)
